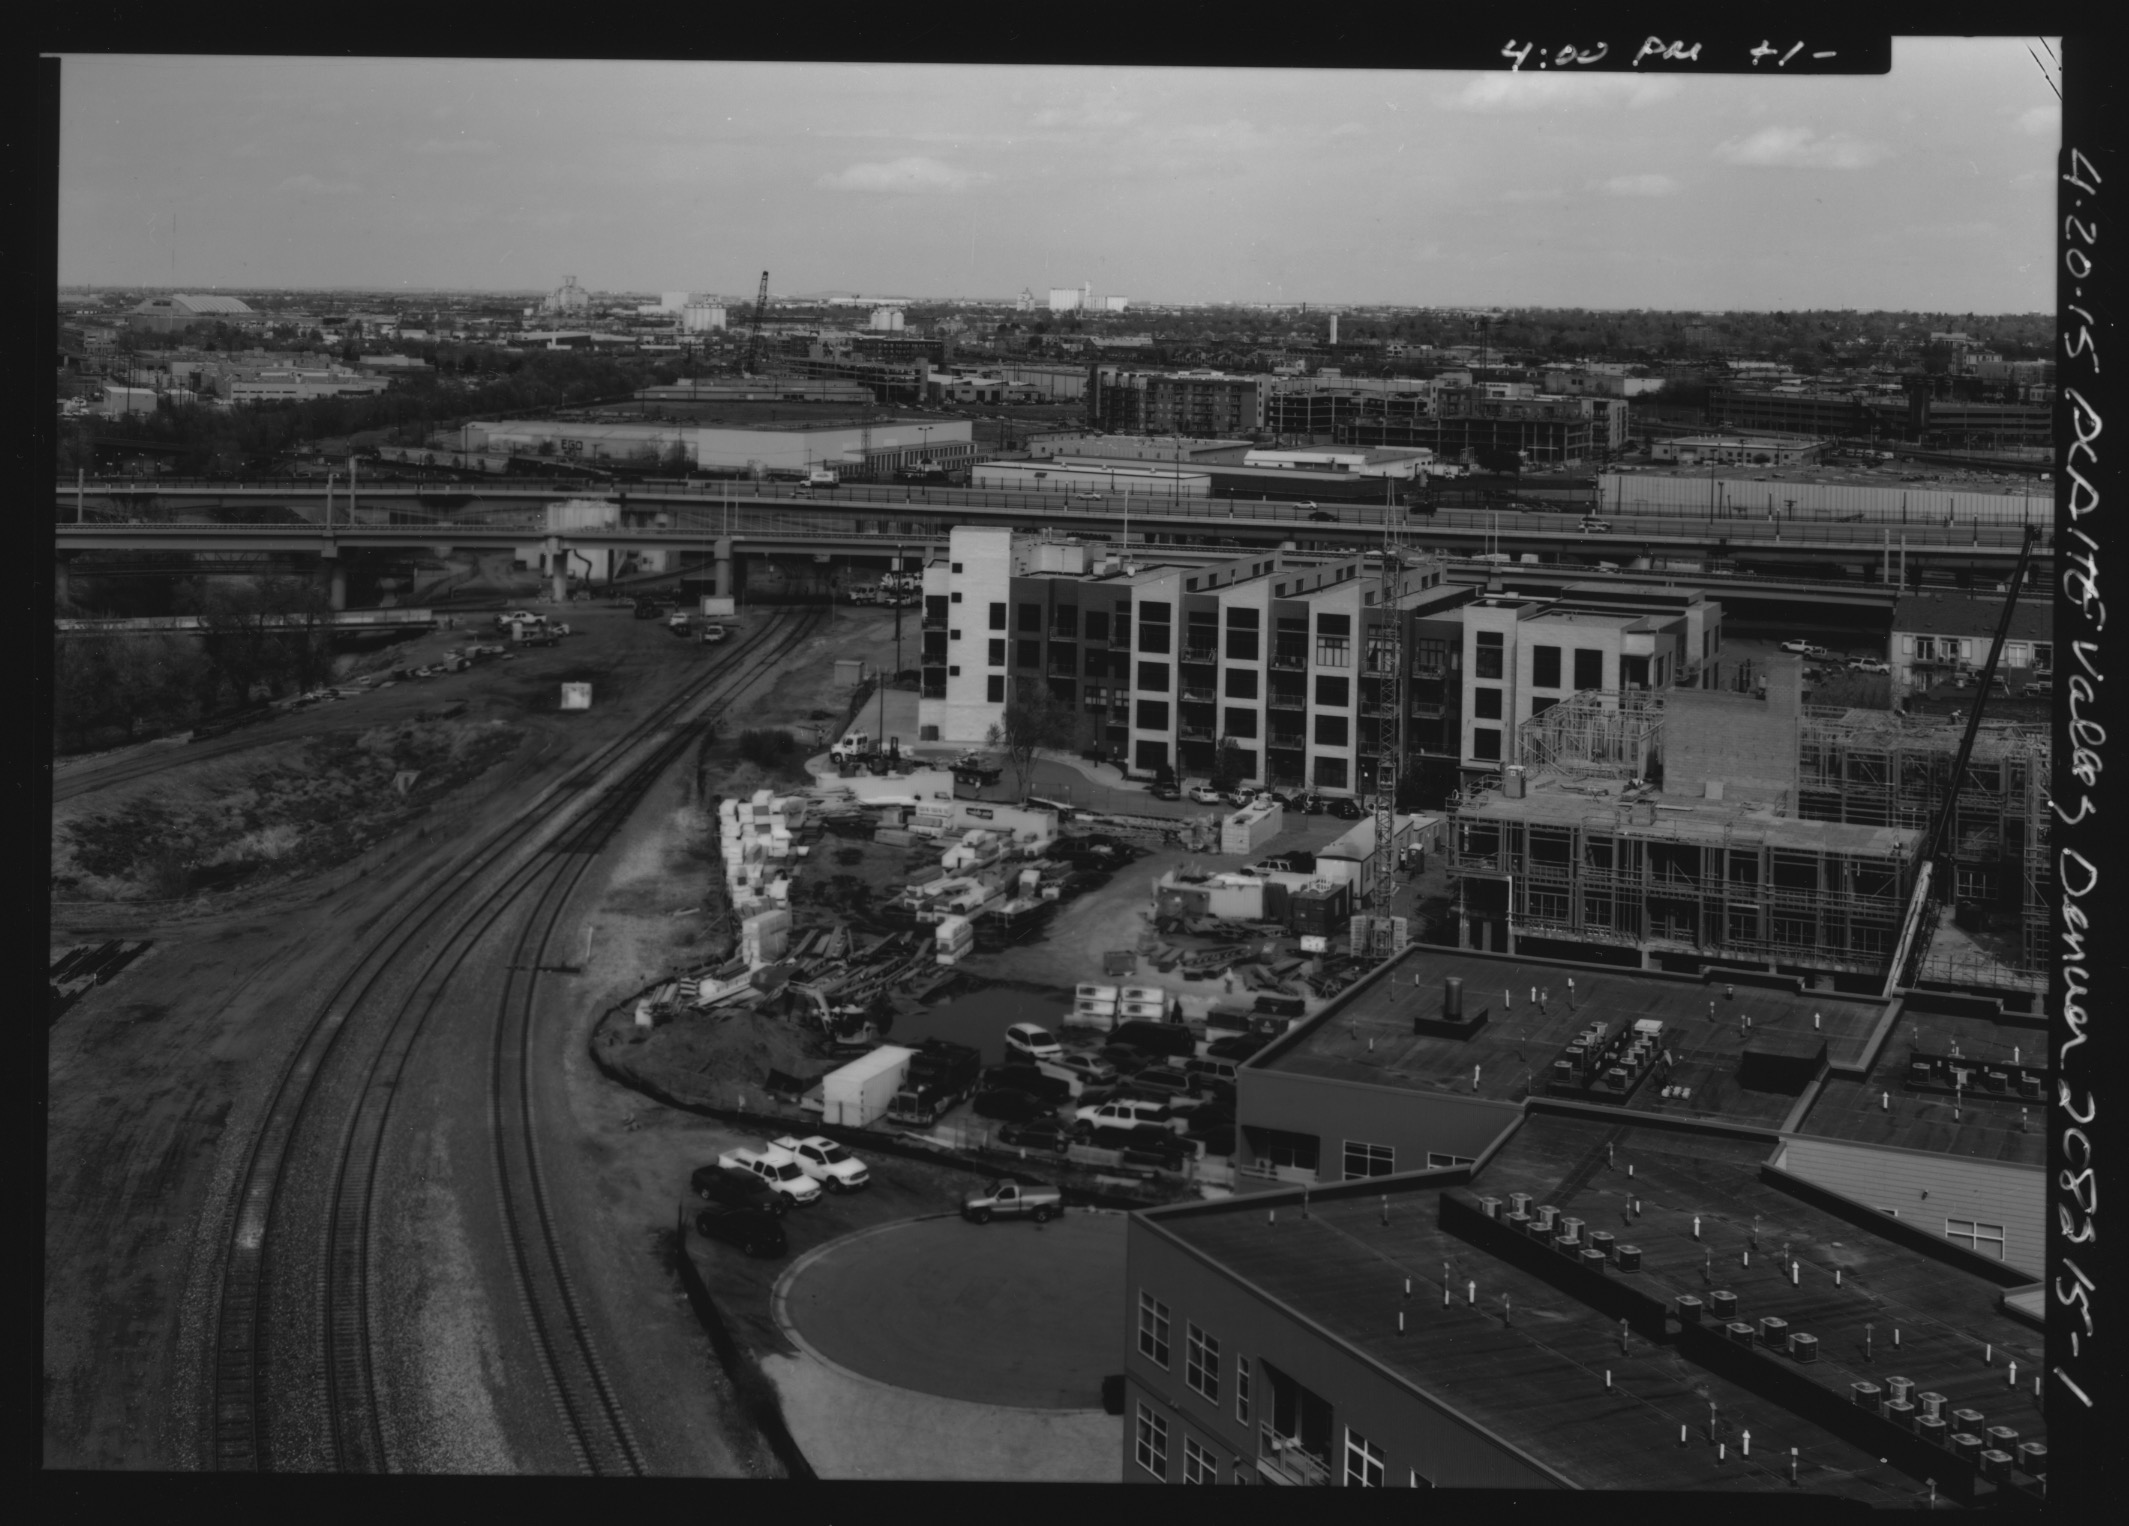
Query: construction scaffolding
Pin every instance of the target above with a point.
(1874, 768)
(1583, 861)
(1596, 733)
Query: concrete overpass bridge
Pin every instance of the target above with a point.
(730, 522)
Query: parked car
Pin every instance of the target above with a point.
(1163, 1078)
(1873, 665)
(1213, 1125)
(1013, 1200)
(1037, 1134)
(1130, 1113)
(1799, 647)
(1205, 794)
(1010, 1105)
(738, 1189)
(1210, 1076)
(1236, 1047)
(678, 622)
(1346, 808)
(1079, 1069)
(1165, 792)
(753, 1231)
(518, 617)
(1595, 527)
(1031, 1041)
(779, 1168)
(1312, 805)
(1024, 1076)
(1154, 1038)
(826, 1162)
(1317, 516)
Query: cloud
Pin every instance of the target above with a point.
(308, 184)
(1551, 195)
(911, 174)
(1639, 185)
(1560, 92)
(1348, 130)
(1801, 148)
(453, 146)
(1087, 114)
(2041, 120)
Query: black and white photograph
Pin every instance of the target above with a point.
(1033, 773)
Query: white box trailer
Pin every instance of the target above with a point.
(859, 1093)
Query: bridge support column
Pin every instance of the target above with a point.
(557, 570)
(723, 552)
(336, 585)
(62, 582)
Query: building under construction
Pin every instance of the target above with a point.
(1664, 825)
(1873, 768)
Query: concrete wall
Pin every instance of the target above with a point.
(1736, 738)
(1417, 1433)
(1927, 1189)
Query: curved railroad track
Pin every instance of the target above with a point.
(449, 918)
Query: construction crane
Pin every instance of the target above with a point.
(761, 311)
(1384, 655)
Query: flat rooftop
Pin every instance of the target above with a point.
(1878, 1108)
(1557, 800)
(1536, 1376)
(1516, 1046)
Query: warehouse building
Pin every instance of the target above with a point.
(877, 447)
(1738, 450)
(1114, 478)
(1518, 1224)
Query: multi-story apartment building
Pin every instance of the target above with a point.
(1521, 656)
(1206, 403)
(1276, 656)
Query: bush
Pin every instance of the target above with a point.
(767, 749)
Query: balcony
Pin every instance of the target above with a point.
(1379, 709)
(1289, 741)
(1287, 659)
(1284, 1460)
(1191, 732)
(1064, 664)
(1280, 701)
(1429, 670)
(1201, 653)
(1200, 697)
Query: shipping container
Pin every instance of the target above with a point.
(860, 1092)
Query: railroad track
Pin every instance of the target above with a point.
(447, 921)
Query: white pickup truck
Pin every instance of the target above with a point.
(825, 1161)
(779, 1168)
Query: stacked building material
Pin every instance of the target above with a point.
(757, 840)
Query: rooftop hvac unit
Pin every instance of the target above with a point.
(1967, 1420)
(1629, 1258)
(1592, 1259)
(1929, 1428)
(1519, 1202)
(1565, 1247)
(2033, 1458)
(1741, 1331)
(1995, 1463)
(1519, 1222)
(1571, 1231)
(1490, 1206)
(1966, 1446)
(1601, 1241)
(1867, 1395)
(1548, 1215)
(1932, 1405)
(2002, 1436)
(1690, 1308)
(1773, 1332)
(1723, 1305)
(1805, 1348)
(1901, 1413)
(1902, 1389)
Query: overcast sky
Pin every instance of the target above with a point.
(1931, 188)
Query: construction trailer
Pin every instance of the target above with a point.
(1874, 768)
(1682, 882)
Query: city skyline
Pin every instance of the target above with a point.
(1929, 189)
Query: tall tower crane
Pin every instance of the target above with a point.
(1385, 657)
(761, 311)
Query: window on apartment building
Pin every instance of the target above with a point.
(1363, 1159)
(1201, 1362)
(1330, 773)
(1027, 654)
(1589, 668)
(1334, 644)
(1064, 620)
(1335, 692)
(952, 598)
(1152, 715)
(957, 568)
(1152, 1329)
(1153, 637)
(1242, 1389)
(1283, 1149)
(2044, 654)
(1429, 657)
(1331, 730)
(1486, 744)
(1152, 1447)
(1545, 667)
(994, 688)
(1436, 1161)
(1198, 1466)
(1540, 706)
(1486, 704)
(998, 617)
(1984, 1238)
(1363, 1462)
(1153, 675)
(1241, 723)
(1030, 617)
(997, 654)
(1241, 683)
(1491, 655)
(1097, 625)
(1242, 645)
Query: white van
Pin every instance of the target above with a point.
(1030, 1041)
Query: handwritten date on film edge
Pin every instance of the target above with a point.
(1651, 48)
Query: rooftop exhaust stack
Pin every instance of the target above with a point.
(1453, 997)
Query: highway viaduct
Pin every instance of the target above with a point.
(1844, 563)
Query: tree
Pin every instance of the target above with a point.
(1227, 765)
(1034, 719)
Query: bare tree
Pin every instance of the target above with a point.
(1034, 719)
